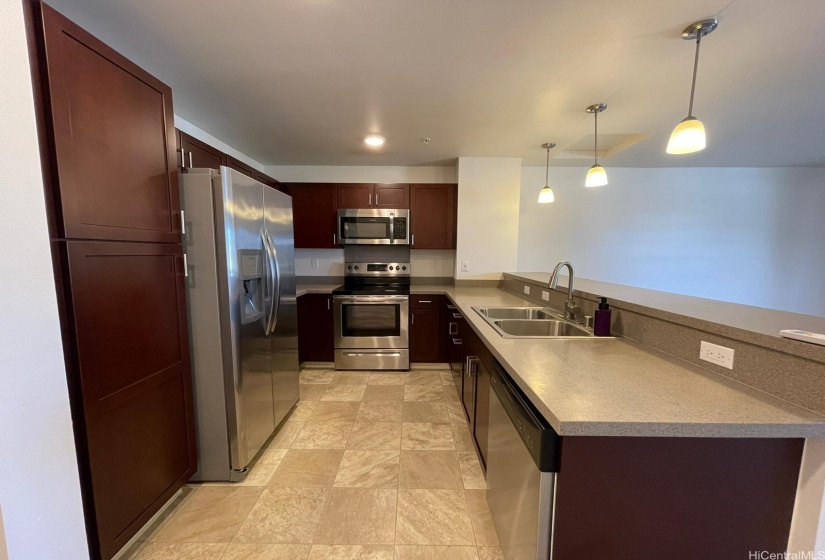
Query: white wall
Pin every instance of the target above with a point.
(39, 485)
(752, 236)
(360, 174)
(488, 216)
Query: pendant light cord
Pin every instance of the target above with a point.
(695, 67)
(547, 169)
(596, 138)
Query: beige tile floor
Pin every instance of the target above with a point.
(375, 466)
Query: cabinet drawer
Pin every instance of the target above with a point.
(425, 301)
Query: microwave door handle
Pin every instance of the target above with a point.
(392, 226)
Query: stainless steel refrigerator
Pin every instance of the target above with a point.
(240, 257)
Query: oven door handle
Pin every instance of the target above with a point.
(392, 225)
(371, 299)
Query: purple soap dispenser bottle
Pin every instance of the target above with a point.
(601, 320)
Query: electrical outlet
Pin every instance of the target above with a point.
(545, 295)
(433, 264)
(465, 266)
(716, 354)
(527, 290)
(313, 263)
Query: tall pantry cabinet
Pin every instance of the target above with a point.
(108, 144)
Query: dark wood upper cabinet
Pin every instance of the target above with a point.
(391, 195)
(113, 134)
(372, 195)
(433, 215)
(195, 153)
(355, 195)
(315, 215)
(316, 338)
(238, 165)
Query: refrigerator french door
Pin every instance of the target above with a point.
(242, 310)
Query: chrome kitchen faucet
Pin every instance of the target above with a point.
(571, 310)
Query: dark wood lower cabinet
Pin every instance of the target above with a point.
(316, 337)
(675, 498)
(132, 373)
(425, 334)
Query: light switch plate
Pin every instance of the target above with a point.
(313, 263)
(545, 295)
(465, 266)
(433, 264)
(527, 290)
(716, 354)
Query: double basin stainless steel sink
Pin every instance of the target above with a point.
(531, 322)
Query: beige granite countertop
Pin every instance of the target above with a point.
(314, 289)
(617, 387)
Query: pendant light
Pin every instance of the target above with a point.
(597, 176)
(689, 135)
(546, 195)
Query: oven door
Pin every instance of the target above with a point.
(373, 227)
(371, 321)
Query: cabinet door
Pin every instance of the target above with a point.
(238, 165)
(315, 215)
(132, 363)
(425, 335)
(468, 389)
(114, 140)
(355, 195)
(482, 414)
(199, 154)
(391, 195)
(316, 341)
(433, 209)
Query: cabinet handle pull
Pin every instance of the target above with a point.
(456, 315)
(370, 199)
(425, 301)
(182, 223)
(412, 318)
(185, 266)
(453, 328)
(412, 241)
(190, 160)
(182, 158)
(376, 199)
(334, 239)
(328, 304)
(457, 341)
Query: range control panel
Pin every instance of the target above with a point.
(377, 269)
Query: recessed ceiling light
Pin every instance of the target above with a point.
(374, 140)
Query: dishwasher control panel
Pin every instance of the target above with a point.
(541, 440)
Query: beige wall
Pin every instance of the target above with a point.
(488, 216)
(39, 484)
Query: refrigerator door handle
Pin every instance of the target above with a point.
(268, 281)
(276, 284)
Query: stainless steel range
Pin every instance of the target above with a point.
(371, 311)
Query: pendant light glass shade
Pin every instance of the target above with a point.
(687, 137)
(596, 177)
(546, 196)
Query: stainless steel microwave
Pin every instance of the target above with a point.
(374, 227)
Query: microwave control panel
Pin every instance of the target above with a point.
(400, 228)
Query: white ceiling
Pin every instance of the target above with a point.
(300, 82)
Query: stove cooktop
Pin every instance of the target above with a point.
(367, 279)
(350, 289)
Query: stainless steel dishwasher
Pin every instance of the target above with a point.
(522, 463)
